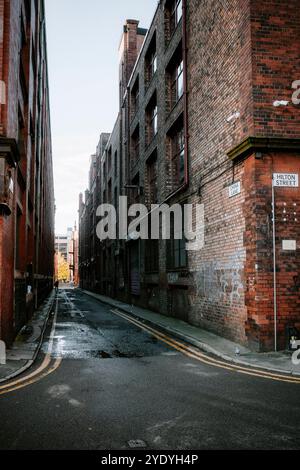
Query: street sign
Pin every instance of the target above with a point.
(289, 245)
(285, 180)
(235, 189)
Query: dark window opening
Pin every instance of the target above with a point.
(151, 180)
(109, 158)
(176, 249)
(174, 79)
(135, 97)
(150, 61)
(151, 120)
(152, 256)
(176, 151)
(116, 163)
(173, 15)
(109, 192)
(135, 145)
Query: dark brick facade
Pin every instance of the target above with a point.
(237, 59)
(26, 186)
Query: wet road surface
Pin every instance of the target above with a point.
(116, 383)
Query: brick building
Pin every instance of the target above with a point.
(197, 116)
(26, 176)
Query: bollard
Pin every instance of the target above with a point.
(2, 353)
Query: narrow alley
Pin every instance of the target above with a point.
(111, 385)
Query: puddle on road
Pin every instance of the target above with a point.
(117, 353)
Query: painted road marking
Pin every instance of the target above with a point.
(196, 354)
(42, 371)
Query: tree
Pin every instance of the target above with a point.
(63, 269)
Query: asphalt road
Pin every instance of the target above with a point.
(116, 383)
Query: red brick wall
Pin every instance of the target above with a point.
(243, 56)
(259, 246)
(33, 183)
(219, 85)
(275, 30)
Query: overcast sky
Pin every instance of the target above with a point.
(83, 40)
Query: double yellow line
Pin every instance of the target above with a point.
(42, 371)
(204, 358)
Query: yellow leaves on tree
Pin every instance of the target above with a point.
(63, 268)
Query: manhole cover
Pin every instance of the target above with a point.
(137, 444)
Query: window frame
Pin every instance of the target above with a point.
(176, 251)
(135, 144)
(174, 17)
(176, 78)
(178, 154)
(152, 179)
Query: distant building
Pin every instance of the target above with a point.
(26, 175)
(61, 245)
(199, 122)
(66, 246)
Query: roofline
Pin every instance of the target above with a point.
(143, 46)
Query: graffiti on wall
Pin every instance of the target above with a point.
(218, 281)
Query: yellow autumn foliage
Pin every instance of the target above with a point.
(63, 268)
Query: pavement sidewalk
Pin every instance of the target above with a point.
(209, 342)
(22, 354)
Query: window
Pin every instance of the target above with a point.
(173, 15)
(177, 155)
(109, 156)
(151, 61)
(153, 64)
(174, 79)
(177, 84)
(135, 191)
(152, 256)
(109, 193)
(135, 145)
(151, 120)
(151, 175)
(116, 198)
(176, 250)
(116, 164)
(135, 97)
(104, 171)
(176, 13)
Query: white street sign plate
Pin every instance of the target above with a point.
(289, 245)
(235, 189)
(286, 180)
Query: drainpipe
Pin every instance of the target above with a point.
(185, 93)
(274, 267)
